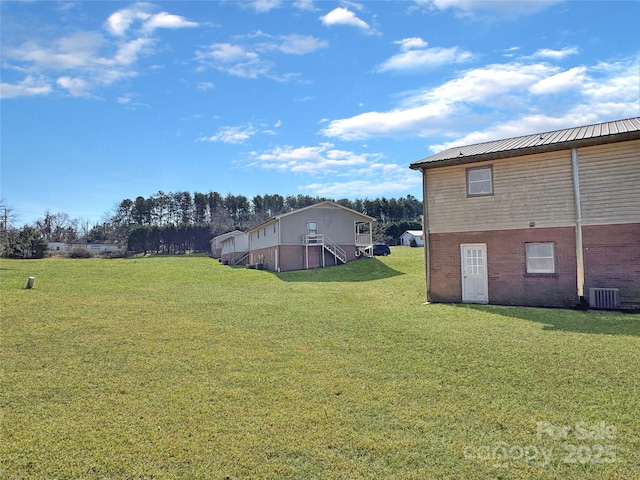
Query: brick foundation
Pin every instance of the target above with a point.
(293, 257)
(508, 282)
(611, 259)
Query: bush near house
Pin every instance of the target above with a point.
(80, 253)
(178, 367)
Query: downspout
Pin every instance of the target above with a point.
(279, 245)
(578, 214)
(425, 234)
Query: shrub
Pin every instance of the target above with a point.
(79, 252)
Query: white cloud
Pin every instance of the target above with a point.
(80, 57)
(415, 55)
(86, 60)
(489, 95)
(604, 92)
(509, 8)
(376, 179)
(78, 87)
(572, 78)
(247, 61)
(366, 125)
(120, 22)
(204, 86)
(263, 6)
(166, 20)
(365, 188)
(234, 60)
(343, 16)
(305, 5)
(321, 159)
(228, 53)
(555, 54)
(69, 52)
(233, 135)
(28, 87)
(407, 44)
(295, 44)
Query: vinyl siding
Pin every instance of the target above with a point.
(610, 183)
(337, 224)
(264, 237)
(534, 188)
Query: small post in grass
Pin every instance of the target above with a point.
(30, 282)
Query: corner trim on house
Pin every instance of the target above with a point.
(578, 214)
(425, 233)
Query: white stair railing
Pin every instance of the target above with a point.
(335, 249)
(326, 243)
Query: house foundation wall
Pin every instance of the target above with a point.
(508, 282)
(293, 257)
(612, 260)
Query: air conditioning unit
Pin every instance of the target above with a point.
(604, 298)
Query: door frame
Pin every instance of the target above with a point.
(483, 247)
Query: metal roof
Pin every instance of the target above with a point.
(599, 133)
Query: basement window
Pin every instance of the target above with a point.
(479, 181)
(540, 258)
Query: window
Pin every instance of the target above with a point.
(313, 228)
(479, 181)
(540, 258)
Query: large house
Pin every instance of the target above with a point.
(319, 235)
(550, 219)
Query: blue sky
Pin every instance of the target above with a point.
(106, 100)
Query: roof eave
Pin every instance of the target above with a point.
(425, 164)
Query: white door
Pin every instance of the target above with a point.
(474, 273)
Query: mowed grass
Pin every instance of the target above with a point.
(179, 367)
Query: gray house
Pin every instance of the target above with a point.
(320, 235)
(235, 248)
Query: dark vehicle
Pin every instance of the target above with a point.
(382, 250)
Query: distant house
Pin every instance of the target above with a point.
(235, 248)
(412, 238)
(216, 242)
(319, 235)
(550, 219)
(92, 247)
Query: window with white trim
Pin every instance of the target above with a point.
(540, 258)
(479, 181)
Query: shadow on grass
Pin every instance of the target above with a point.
(363, 270)
(565, 320)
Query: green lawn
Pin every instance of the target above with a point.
(179, 367)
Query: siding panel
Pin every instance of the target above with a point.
(610, 183)
(534, 188)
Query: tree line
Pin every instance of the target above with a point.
(178, 222)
